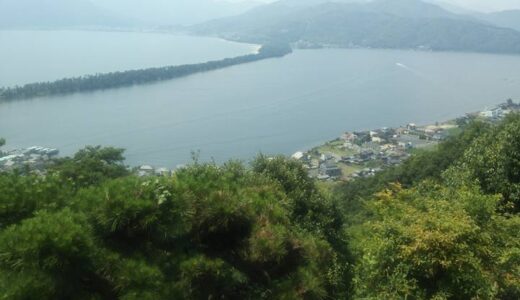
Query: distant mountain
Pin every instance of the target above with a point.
(507, 19)
(55, 13)
(452, 8)
(404, 24)
(302, 3)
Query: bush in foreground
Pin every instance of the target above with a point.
(210, 232)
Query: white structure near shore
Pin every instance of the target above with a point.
(36, 158)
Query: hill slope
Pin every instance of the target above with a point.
(507, 19)
(404, 24)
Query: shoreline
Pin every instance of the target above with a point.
(114, 80)
(364, 153)
(351, 155)
(249, 49)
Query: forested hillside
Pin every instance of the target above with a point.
(391, 24)
(444, 225)
(507, 19)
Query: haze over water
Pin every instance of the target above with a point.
(34, 56)
(272, 106)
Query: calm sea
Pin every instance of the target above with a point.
(272, 106)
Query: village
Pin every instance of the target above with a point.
(35, 158)
(38, 159)
(364, 153)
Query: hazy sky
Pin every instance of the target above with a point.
(481, 5)
(487, 5)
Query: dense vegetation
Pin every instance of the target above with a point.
(444, 225)
(87, 230)
(133, 77)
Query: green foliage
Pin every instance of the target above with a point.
(493, 162)
(22, 196)
(2, 142)
(206, 278)
(89, 229)
(307, 204)
(436, 243)
(210, 232)
(449, 237)
(92, 166)
(51, 255)
(309, 207)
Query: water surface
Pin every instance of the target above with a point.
(34, 56)
(272, 106)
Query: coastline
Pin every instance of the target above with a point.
(160, 42)
(359, 154)
(352, 155)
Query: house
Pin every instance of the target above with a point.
(375, 147)
(401, 130)
(367, 172)
(145, 171)
(405, 145)
(430, 131)
(330, 169)
(51, 152)
(162, 172)
(349, 137)
(366, 155)
(325, 157)
(41, 151)
(298, 155)
(351, 146)
(376, 139)
(411, 126)
(492, 113)
(387, 147)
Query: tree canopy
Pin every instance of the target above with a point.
(210, 232)
(432, 242)
(444, 225)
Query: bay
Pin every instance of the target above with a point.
(276, 106)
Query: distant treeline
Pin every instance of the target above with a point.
(133, 77)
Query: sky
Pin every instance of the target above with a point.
(479, 5)
(487, 5)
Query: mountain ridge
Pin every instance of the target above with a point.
(402, 24)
